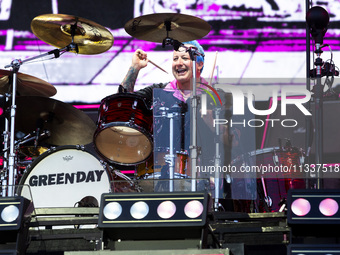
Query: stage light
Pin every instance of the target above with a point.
(193, 209)
(300, 207)
(328, 207)
(313, 206)
(15, 213)
(139, 210)
(166, 209)
(112, 210)
(10, 213)
(153, 216)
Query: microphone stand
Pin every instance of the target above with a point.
(318, 92)
(317, 19)
(194, 150)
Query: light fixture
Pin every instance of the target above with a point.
(14, 217)
(313, 213)
(153, 216)
(313, 206)
(313, 249)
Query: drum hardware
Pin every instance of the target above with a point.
(163, 28)
(79, 35)
(170, 158)
(217, 160)
(267, 199)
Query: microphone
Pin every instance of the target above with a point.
(317, 19)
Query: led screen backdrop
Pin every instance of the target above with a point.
(249, 39)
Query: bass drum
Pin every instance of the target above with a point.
(65, 176)
(273, 186)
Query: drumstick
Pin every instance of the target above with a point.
(155, 64)
(212, 72)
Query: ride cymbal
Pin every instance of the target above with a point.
(57, 30)
(67, 124)
(156, 27)
(26, 85)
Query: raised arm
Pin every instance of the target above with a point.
(139, 61)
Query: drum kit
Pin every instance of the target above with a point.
(44, 138)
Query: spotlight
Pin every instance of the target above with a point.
(12, 212)
(14, 216)
(313, 212)
(313, 206)
(153, 216)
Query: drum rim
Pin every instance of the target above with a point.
(126, 124)
(129, 95)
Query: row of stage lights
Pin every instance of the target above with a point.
(313, 206)
(139, 210)
(126, 216)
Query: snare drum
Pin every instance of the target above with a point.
(152, 168)
(63, 176)
(124, 133)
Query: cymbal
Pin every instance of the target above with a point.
(67, 124)
(26, 85)
(153, 28)
(55, 29)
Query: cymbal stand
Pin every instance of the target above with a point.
(4, 175)
(194, 149)
(170, 158)
(15, 65)
(217, 159)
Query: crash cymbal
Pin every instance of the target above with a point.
(26, 85)
(153, 27)
(55, 29)
(67, 124)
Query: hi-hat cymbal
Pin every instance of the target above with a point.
(156, 27)
(26, 85)
(67, 124)
(56, 30)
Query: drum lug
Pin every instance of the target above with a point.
(80, 147)
(275, 159)
(52, 149)
(134, 105)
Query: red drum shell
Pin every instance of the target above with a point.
(124, 132)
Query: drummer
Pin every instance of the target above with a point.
(182, 70)
(181, 86)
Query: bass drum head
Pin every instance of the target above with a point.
(62, 177)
